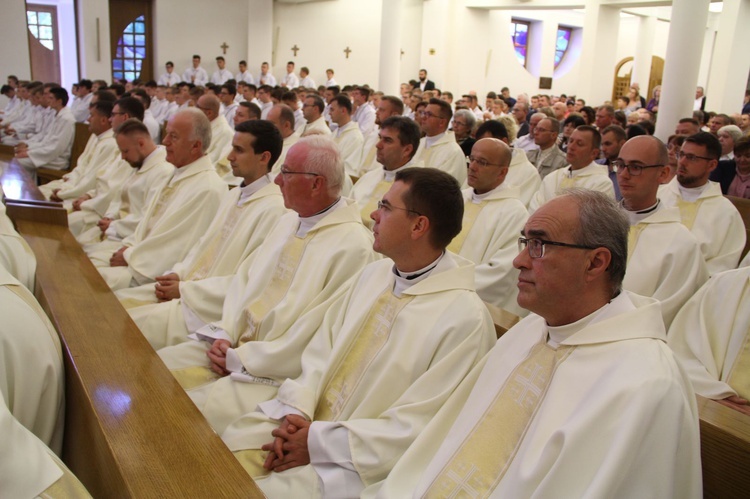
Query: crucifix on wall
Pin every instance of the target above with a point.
(348, 51)
(224, 47)
(295, 49)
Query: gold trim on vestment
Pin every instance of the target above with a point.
(252, 460)
(372, 203)
(633, 235)
(688, 211)
(471, 213)
(194, 376)
(164, 197)
(739, 376)
(209, 256)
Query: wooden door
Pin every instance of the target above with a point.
(44, 42)
(131, 39)
(621, 86)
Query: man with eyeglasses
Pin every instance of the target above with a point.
(398, 141)
(582, 397)
(547, 157)
(713, 219)
(583, 149)
(664, 259)
(527, 142)
(392, 346)
(493, 217)
(438, 149)
(241, 359)
(191, 294)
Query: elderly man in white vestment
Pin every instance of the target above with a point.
(582, 398)
(388, 106)
(493, 217)
(392, 347)
(177, 216)
(664, 258)
(582, 171)
(31, 373)
(398, 143)
(191, 295)
(521, 173)
(710, 337)
(221, 134)
(439, 149)
(712, 218)
(347, 135)
(307, 257)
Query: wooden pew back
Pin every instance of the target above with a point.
(80, 139)
(743, 206)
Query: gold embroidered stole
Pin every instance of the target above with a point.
(208, 257)
(471, 213)
(372, 203)
(277, 288)
(739, 376)
(369, 158)
(568, 181)
(633, 234)
(353, 365)
(427, 155)
(688, 211)
(165, 196)
(125, 197)
(481, 461)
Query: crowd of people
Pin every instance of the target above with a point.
(314, 265)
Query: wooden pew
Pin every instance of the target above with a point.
(80, 139)
(131, 431)
(743, 206)
(502, 319)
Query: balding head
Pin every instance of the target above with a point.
(210, 105)
(188, 137)
(282, 116)
(488, 165)
(642, 166)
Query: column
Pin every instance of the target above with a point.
(643, 53)
(259, 35)
(728, 77)
(391, 21)
(601, 24)
(682, 63)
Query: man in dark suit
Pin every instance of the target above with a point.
(424, 83)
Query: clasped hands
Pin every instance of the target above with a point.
(289, 448)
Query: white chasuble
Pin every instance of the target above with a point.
(593, 176)
(444, 154)
(16, 255)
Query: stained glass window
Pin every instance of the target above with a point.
(562, 43)
(520, 35)
(40, 25)
(130, 51)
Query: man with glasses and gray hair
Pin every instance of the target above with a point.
(711, 217)
(548, 157)
(591, 399)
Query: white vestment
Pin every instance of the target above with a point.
(176, 218)
(31, 372)
(169, 79)
(16, 255)
(370, 189)
(196, 76)
(221, 76)
(100, 151)
(664, 261)
(54, 150)
(241, 225)
(710, 332)
(714, 221)
(154, 130)
(130, 203)
(80, 108)
(247, 77)
(229, 112)
(318, 125)
(308, 82)
(264, 300)
(615, 417)
(369, 383)
(290, 80)
(267, 79)
(349, 140)
(221, 144)
(492, 224)
(524, 175)
(444, 153)
(365, 118)
(288, 143)
(593, 176)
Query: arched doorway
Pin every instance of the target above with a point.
(623, 71)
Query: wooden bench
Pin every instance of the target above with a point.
(743, 206)
(130, 429)
(80, 139)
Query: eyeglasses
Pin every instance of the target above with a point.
(481, 162)
(459, 123)
(537, 129)
(427, 114)
(690, 158)
(284, 171)
(536, 246)
(118, 114)
(634, 170)
(386, 206)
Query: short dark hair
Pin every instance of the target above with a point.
(495, 128)
(243, 62)
(103, 107)
(394, 101)
(446, 112)
(230, 88)
(289, 96)
(85, 83)
(60, 94)
(5, 89)
(255, 111)
(290, 62)
(576, 119)
(265, 88)
(317, 101)
(742, 146)
(150, 84)
(219, 58)
(618, 131)
(335, 89)
(142, 96)
(596, 137)
(648, 126)
(105, 95)
(408, 131)
(169, 63)
(131, 126)
(634, 130)
(196, 56)
(709, 141)
(131, 106)
(267, 138)
(343, 101)
(118, 89)
(363, 90)
(436, 195)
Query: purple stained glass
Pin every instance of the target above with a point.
(563, 41)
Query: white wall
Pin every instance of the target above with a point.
(14, 49)
(96, 62)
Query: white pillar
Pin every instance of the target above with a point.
(391, 20)
(601, 24)
(682, 63)
(643, 54)
(260, 31)
(731, 64)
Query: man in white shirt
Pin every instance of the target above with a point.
(195, 74)
(388, 106)
(80, 105)
(264, 100)
(244, 74)
(221, 75)
(547, 157)
(148, 117)
(290, 80)
(265, 77)
(330, 82)
(347, 136)
(305, 80)
(170, 77)
(364, 113)
(226, 96)
(438, 149)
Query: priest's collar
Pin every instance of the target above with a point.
(307, 223)
(405, 280)
(616, 306)
(431, 141)
(478, 198)
(691, 194)
(390, 175)
(637, 216)
(248, 190)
